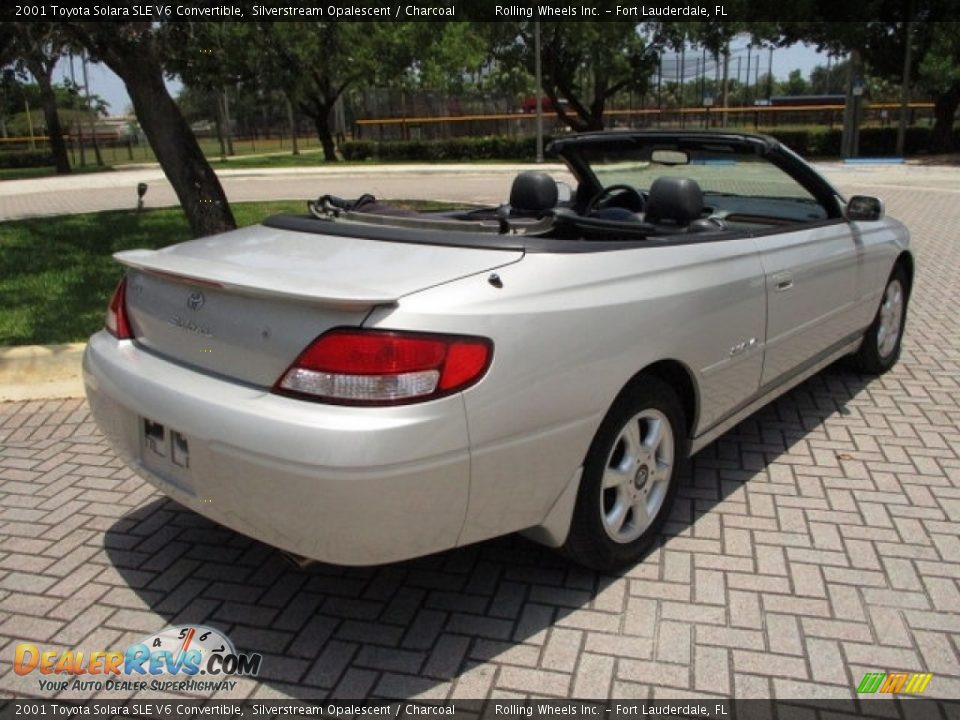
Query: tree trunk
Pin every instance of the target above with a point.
(293, 126)
(944, 113)
(134, 56)
(227, 123)
(52, 118)
(597, 107)
(196, 185)
(218, 125)
(321, 121)
(176, 148)
(96, 144)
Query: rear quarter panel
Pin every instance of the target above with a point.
(570, 331)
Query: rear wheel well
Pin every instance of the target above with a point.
(680, 379)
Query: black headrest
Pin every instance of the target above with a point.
(533, 192)
(674, 198)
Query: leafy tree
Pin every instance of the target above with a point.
(939, 73)
(135, 51)
(881, 44)
(314, 63)
(11, 96)
(453, 58)
(716, 37)
(795, 84)
(197, 104)
(829, 81)
(211, 57)
(14, 95)
(36, 48)
(584, 64)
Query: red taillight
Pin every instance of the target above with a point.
(374, 367)
(117, 323)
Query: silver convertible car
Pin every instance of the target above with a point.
(365, 383)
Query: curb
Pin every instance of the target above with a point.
(41, 372)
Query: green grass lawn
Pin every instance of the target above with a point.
(121, 155)
(57, 273)
(248, 153)
(304, 159)
(307, 158)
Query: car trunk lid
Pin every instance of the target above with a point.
(244, 304)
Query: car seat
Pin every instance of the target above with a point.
(532, 194)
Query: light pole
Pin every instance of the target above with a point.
(78, 123)
(905, 86)
(539, 74)
(682, 74)
(6, 79)
(660, 86)
(86, 92)
(26, 106)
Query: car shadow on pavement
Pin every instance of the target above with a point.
(442, 625)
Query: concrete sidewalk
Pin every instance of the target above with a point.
(95, 192)
(478, 182)
(41, 372)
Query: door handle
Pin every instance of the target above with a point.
(783, 281)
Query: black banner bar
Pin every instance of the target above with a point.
(450, 10)
(716, 709)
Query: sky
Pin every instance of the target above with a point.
(106, 84)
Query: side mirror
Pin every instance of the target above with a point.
(864, 208)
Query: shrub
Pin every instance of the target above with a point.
(25, 159)
(808, 142)
(492, 147)
(874, 141)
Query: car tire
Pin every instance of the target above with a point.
(629, 478)
(881, 344)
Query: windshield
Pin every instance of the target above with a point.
(733, 178)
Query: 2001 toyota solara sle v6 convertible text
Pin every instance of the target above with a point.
(365, 383)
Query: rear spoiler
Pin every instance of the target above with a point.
(204, 272)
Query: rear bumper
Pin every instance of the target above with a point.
(353, 486)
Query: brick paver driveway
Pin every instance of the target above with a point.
(815, 542)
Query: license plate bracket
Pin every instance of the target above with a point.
(165, 453)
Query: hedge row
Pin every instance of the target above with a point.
(493, 147)
(813, 142)
(26, 159)
(874, 142)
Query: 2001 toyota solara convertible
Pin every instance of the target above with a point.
(365, 383)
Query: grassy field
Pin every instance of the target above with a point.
(247, 153)
(306, 158)
(120, 155)
(56, 273)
